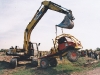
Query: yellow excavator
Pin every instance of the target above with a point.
(28, 52)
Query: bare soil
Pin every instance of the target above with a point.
(95, 71)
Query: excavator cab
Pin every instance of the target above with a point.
(33, 48)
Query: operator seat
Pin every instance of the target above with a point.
(61, 43)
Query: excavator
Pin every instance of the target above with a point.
(28, 52)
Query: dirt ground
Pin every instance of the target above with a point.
(95, 71)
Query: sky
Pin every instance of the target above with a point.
(16, 14)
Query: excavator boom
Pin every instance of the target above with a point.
(45, 5)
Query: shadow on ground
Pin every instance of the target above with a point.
(49, 71)
(4, 65)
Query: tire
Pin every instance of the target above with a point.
(72, 55)
(34, 62)
(13, 63)
(44, 63)
(53, 62)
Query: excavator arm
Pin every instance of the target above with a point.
(45, 5)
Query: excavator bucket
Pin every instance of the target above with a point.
(67, 21)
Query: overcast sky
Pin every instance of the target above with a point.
(16, 14)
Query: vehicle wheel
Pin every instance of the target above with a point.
(72, 55)
(44, 63)
(13, 63)
(53, 62)
(34, 62)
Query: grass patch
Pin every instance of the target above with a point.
(98, 65)
(67, 68)
(80, 61)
